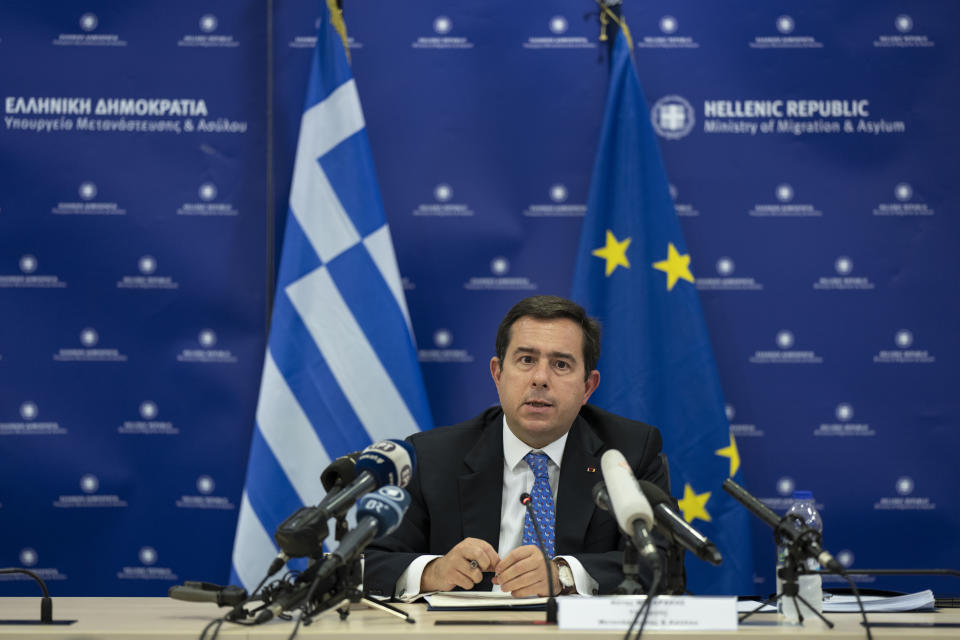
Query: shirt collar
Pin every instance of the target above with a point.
(514, 448)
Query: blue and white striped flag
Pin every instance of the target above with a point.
(341, 367)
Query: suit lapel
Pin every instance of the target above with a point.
(574, 499)
(481, 486)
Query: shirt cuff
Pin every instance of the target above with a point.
(583, 581)
(408, 585)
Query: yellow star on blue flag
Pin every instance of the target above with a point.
(676, 266)
(730, 451)
(694, 505)
(614, 252)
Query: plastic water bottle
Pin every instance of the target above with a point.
(811, 586)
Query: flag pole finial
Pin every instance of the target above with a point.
(610, 11)
(336, 19)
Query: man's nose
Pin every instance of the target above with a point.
(541, 374)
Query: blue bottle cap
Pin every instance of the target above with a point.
(803, 495)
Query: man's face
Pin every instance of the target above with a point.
(541, 380)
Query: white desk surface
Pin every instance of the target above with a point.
(166, 619)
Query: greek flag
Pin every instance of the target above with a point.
(341, 367)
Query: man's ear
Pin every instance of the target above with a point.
(495, 370)
(591, 384)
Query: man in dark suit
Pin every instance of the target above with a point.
(465, 517)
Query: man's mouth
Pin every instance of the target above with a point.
(538, 403)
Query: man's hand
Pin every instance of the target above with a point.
(524, 573)
(463, 566)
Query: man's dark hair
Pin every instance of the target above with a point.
(551, 308)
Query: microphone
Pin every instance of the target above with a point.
(600, 496)
(527, 502)
(630, 507)
(787, 530)
(678, 528)
(192, 591)
(378, 514)
(382, 463)
(340, 472)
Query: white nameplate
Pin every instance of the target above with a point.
(667, 613)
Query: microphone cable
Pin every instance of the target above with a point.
(239, 607)
(856, 593)
(645, 607)
(551, 606)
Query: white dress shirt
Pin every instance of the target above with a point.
(517, 479)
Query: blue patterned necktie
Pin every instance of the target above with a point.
(542, 499)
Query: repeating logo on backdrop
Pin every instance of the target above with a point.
(726, 279)
(843, 280)
(668, 38)
(672, 117)
(148, 422)
(89, 497)
(443, 349)
(844, 426)
(904, 487)
(88, 204)
(741, 429)
(784, 486)
(683, 209)
(26, 422)
(148, 557)
(89, 350)
(89, 34)
(307, 39)
(208, 35)
(29, 558)
(785, 352)
(904, 353)
(903, 203)
(443, 205)
(443, 36)
(785, 38)
(557, 205)
(904, 38)
(784, 207)
(557, 36)
(207, 340)
(204, 497)
(500, 279)
(28, 278)
(207, 203)
(147, 278)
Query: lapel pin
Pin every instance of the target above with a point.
(591, 469)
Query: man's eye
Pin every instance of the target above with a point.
(526, 359)
(562, 365)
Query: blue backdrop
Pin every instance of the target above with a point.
(145, 149)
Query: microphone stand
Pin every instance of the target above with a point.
(46, 603)
(526, 501)
(790, 573)
(631, 571)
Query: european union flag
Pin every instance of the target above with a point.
(633, 274)
(341, 368)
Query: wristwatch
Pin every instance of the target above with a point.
(565, 574)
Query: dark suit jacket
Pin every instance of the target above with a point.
(457, 487)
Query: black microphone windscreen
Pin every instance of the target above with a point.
(654, 494)
(340, 472)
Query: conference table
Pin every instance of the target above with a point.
(166, 619)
